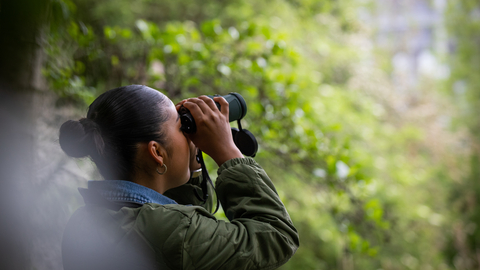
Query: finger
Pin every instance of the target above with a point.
(224, 107)
(194, 109)
(206, 110)
(179, 104)
(209, 102)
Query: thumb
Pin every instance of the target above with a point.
(224, 106)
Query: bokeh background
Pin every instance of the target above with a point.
(366, 113)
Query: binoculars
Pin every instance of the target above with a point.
(244, 139)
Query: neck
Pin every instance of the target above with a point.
(155, 182)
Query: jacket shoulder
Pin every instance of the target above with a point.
(165, 228)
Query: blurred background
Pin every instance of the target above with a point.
(365, 112)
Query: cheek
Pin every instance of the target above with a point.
(185, 163)
(191, 149)
(183, 157)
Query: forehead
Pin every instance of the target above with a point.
(169, 102)
(171, 111)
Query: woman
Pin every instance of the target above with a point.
(142, 216)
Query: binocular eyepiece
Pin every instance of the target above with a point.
(244, 139)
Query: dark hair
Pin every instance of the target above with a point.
(116, 121)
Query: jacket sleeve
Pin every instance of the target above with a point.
(260, 234)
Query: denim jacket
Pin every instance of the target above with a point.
(126, 191)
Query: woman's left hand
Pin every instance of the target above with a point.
(213, 135)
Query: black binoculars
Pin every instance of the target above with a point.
(244, 139)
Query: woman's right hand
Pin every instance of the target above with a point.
(213, 135)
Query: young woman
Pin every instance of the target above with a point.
(143, 215)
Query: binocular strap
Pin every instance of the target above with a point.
(205, 181)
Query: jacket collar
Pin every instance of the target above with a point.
(125, 191)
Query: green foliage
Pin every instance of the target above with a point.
(464, 236)
(353, 179)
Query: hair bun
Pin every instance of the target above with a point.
(73, 139)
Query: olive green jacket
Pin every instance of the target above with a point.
(260, 234)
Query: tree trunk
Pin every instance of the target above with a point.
(21, 25)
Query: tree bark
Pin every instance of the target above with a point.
(21, 26)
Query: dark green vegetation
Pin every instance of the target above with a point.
(370, 180)
(463, 22)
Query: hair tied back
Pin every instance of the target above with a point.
(92, 130)
(115, 123)
(81, 138)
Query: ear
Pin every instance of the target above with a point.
(157, 152)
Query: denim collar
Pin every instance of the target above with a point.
(126, 191)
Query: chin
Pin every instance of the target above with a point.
(187, 177)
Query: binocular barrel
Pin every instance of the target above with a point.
(237, 106)
(237, 110)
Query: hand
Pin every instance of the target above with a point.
(213, 135)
